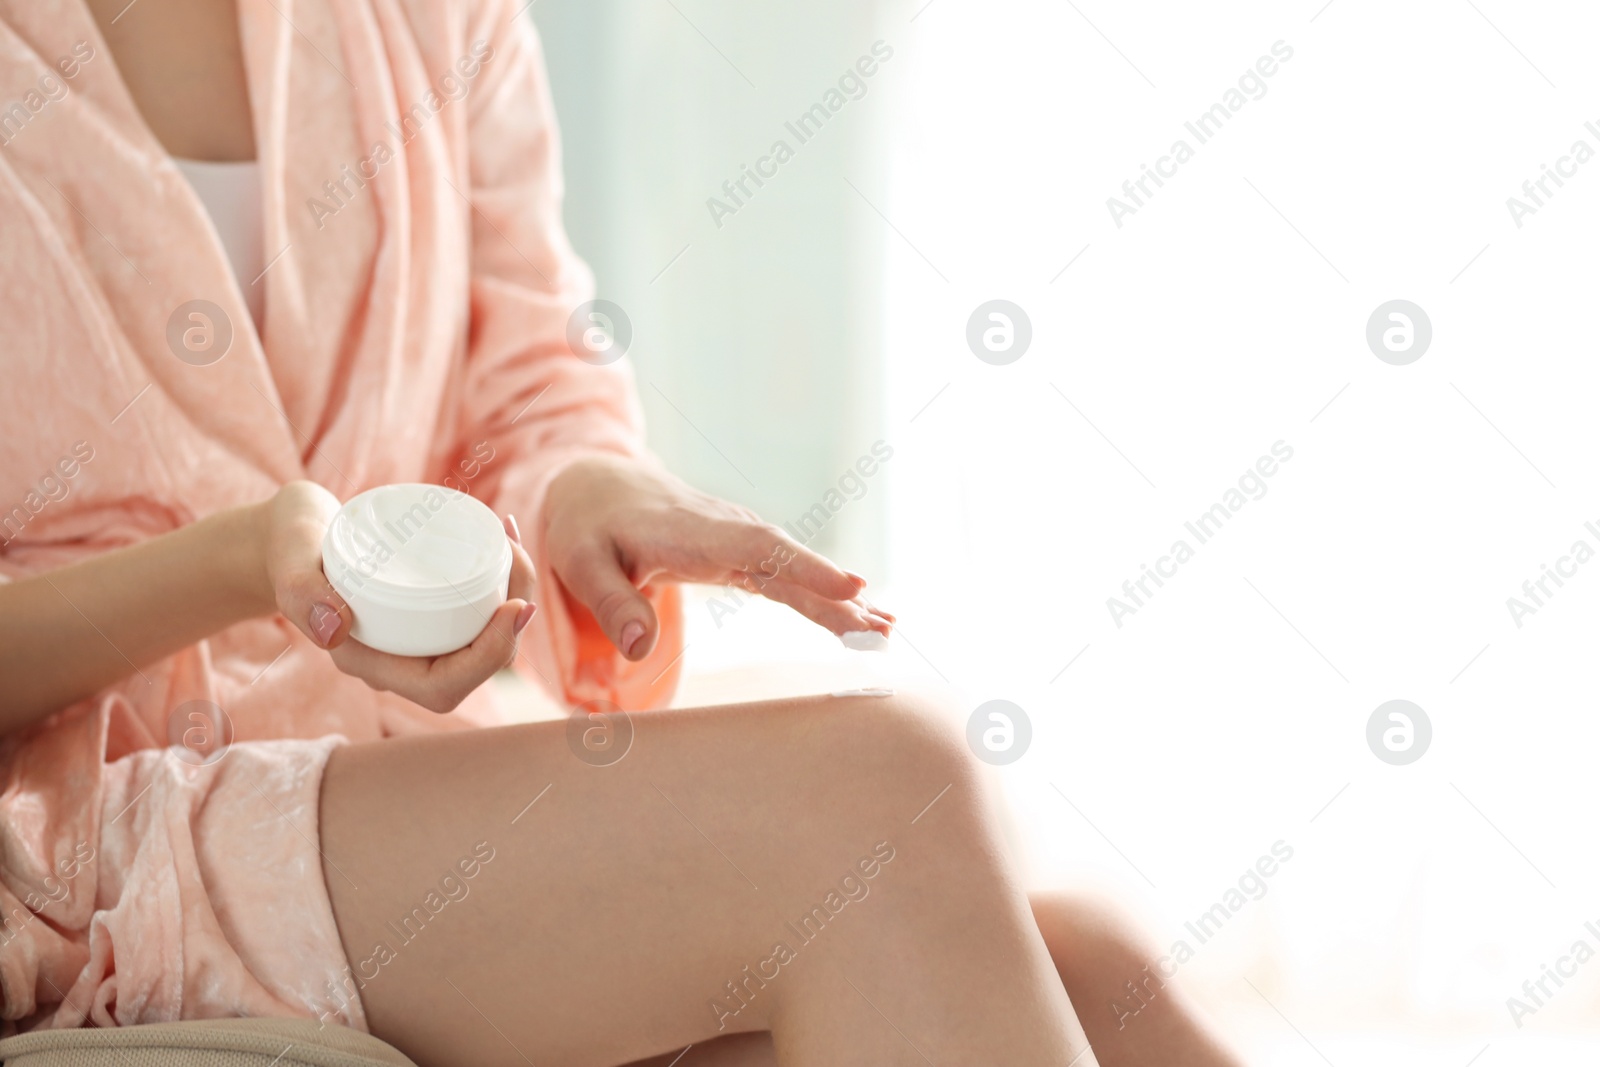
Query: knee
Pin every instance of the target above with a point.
(880, 758)
(916, 733)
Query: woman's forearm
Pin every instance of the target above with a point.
(67, 633)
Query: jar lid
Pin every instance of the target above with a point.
(415, 545)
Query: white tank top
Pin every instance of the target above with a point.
(231, 193)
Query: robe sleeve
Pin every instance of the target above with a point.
(529, 403)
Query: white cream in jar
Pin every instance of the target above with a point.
(421, 566)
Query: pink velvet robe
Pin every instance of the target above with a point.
(416, 311)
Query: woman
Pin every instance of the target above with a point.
(202, 348)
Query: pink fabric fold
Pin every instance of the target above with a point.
(417, 298)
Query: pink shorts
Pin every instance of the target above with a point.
(210, 898)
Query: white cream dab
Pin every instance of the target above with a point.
(864, 641)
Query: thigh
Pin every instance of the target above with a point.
(503, 900)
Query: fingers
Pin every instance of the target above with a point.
(437, 683)
(764, 560)
(810, 583)
(596, 580)
(524, 582)
(329, 620)
(880, 613)
(442, 682)
(837, 616)
(765, 551)
(494, 649)
(298, 516)
(306, 597)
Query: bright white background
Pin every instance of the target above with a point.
(1226, 315)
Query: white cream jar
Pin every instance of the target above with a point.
(421, 566)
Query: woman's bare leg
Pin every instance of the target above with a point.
(1097, 950)
(822, 868)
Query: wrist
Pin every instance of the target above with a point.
(573, 476)
(241, 539)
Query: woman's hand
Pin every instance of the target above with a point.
(292, 525)
(614, 524)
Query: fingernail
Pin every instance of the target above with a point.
(854, 577)
(516, 533)
(324, 623)
(631, 634)
(524, 617)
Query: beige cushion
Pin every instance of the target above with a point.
(207, 1043)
